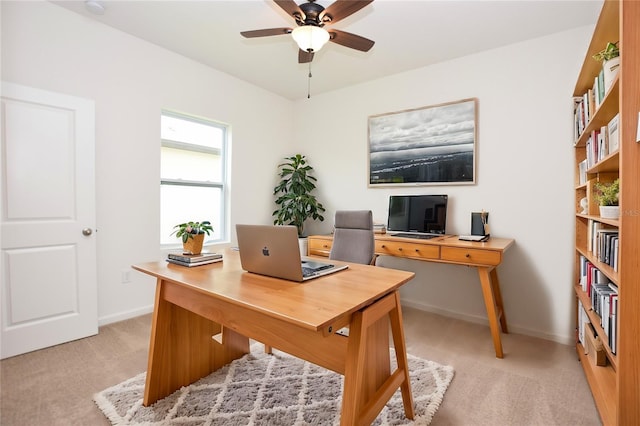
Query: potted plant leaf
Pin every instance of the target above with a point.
(192, 235)
(607, 196)
(610, 58)
(295, 200)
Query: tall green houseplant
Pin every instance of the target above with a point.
(295, 201)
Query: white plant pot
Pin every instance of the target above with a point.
(610, 68)
(609, 212)
(304, 244)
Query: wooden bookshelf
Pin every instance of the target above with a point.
(616, 386)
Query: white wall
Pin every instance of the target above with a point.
(524, 174)
(131, 81)
(524, 153)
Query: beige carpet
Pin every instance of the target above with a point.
(261, 389)
(538, 383)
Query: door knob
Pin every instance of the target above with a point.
(87, 231)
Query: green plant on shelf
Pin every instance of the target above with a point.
(611, 51)
(607, 193)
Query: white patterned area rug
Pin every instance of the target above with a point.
(269, 390)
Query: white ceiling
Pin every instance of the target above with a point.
(408, 35)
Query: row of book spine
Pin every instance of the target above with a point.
(602, 142)
(603, 242)
(604, 299)
(585, 106)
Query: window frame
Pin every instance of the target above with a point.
(223, 185)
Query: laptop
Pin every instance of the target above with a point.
(274, 251)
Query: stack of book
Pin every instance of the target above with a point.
(379, 228)
(190, 260)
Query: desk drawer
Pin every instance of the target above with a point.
(469, 255)
(319, 246)
(402, 249)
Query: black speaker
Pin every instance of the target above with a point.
(480, 223)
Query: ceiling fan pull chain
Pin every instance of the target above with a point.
(309, 83)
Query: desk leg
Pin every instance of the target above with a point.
(495, 285)
(493, 303)
(182, 349)
(368, 382)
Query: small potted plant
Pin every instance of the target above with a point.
(295, 200)
(607, 196)
(192, 235)
(610, 58)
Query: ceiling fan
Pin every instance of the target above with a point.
(310, 35)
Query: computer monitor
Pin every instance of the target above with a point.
(417, 213)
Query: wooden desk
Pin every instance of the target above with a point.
(485, 257)
(222, 300)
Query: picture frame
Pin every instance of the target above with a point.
(433, 145)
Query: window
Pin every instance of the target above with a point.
(192, 175)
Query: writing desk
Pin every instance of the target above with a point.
(484, 256)
(222, 300)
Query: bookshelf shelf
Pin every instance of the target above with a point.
(615, 386)
(602, 381)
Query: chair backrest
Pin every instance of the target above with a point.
(353, 237)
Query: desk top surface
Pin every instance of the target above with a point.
(313, 304)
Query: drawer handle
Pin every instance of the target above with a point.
(399, 248)
(417, 251)
(325, 246)
(383, 246)
(467, 255)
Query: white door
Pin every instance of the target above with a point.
(47, 230)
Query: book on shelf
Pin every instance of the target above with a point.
(614, 134)
(613, 336)
(582, 172)
(603, 143)
(193, 264)
(578, 117)
(601, 89)
(583, 272)
(602, 242)
(592, 103)
(582, 320)
(193, 258)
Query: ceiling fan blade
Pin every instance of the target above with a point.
(266, 32)
(340, 9)
(291, 8)
(304, 56)
(351, 40)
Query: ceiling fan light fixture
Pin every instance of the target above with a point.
(95, 6)
(310, 38)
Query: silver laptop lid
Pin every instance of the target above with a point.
(275, 251)
(270, 250)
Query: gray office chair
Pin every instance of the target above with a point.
(352, 242)
(353, 237)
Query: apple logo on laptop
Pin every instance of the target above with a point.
(265, 251)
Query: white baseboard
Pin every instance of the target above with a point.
(121, 316)
(513, 328)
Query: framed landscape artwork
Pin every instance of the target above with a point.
(434, 145)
